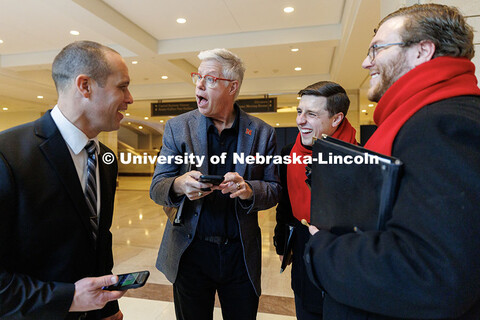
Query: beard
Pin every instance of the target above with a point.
(389, 72)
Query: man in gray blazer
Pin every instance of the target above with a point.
(212, 241)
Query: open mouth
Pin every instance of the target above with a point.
(374, 75)
(306, 131)
(201, 101)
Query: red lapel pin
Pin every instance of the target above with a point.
(248, 131)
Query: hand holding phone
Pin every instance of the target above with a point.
(213, 179)
(129, 281)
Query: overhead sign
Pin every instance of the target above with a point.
(247, 105)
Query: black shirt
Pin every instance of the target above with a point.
(218, 216)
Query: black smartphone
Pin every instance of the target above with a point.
(213, 179)
(129, 281)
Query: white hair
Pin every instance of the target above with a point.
(232, 65)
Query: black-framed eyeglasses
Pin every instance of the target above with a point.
(210, 81)
(372, 51)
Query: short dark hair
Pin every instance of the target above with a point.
(445, 26)
(337, 99)
(81, 57)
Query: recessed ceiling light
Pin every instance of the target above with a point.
(277, 124)
(298, 69)
(161, 121)
(1, 41)
(127, 114)
(134, 62)
(298, 98)
(129, 122)
(146, 118)
(39, 97)
(4, 108)
(370, 105)
(364, 111)
(164, 77)
(294, 49)
(181, 20)
(288, 9)
(74, 32)
(140, 127)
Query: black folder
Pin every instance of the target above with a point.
(288, 253)
(353, 188)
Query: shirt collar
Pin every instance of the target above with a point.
(234, 127)
(74, 137)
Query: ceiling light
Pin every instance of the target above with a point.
(39, 97)
(74, 32)
(129, 123)
(364, 111)
(370, 105)
(288, 9)
(140, 127)
(134, 62)
(146, 118)
(298, 69)
(164, 77)
(294, 49)
(161, 121)
(127, 114)
(277, 124)
(1, 41)
(4, 108)
(181, 20)
(298, 98)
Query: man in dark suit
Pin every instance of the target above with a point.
(425, 264)
(215, 244)
(56, 197)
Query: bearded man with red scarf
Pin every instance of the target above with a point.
(321, 110)
(426, 264)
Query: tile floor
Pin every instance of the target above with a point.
(137, 229)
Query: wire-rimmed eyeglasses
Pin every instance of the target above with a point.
(210, 81)
(372, 51)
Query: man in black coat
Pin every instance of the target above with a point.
(425, 264)
(55, 243)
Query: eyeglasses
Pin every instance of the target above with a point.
(372, 51)
(210, 81)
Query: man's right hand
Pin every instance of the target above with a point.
(188, 184)
(89, 294)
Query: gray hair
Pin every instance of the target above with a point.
(81, 57)
(232, 65)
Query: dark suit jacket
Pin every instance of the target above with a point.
(45, 237)
(426, 264)
(187, 133)
(310, 296)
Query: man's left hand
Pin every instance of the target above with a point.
(236, 186)
(312, 229)
(116, 316)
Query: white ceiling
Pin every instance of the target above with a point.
(332, 37)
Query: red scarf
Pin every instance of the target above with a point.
(438, 79)
(298, 190)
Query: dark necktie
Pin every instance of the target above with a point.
(91, 187)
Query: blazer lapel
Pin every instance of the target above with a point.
(56, 152)
(246, 137)
(108, 174)
(200, 141)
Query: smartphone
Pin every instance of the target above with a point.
(129, 281)
(213, 179)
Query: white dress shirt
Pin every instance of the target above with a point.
(76, 141)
